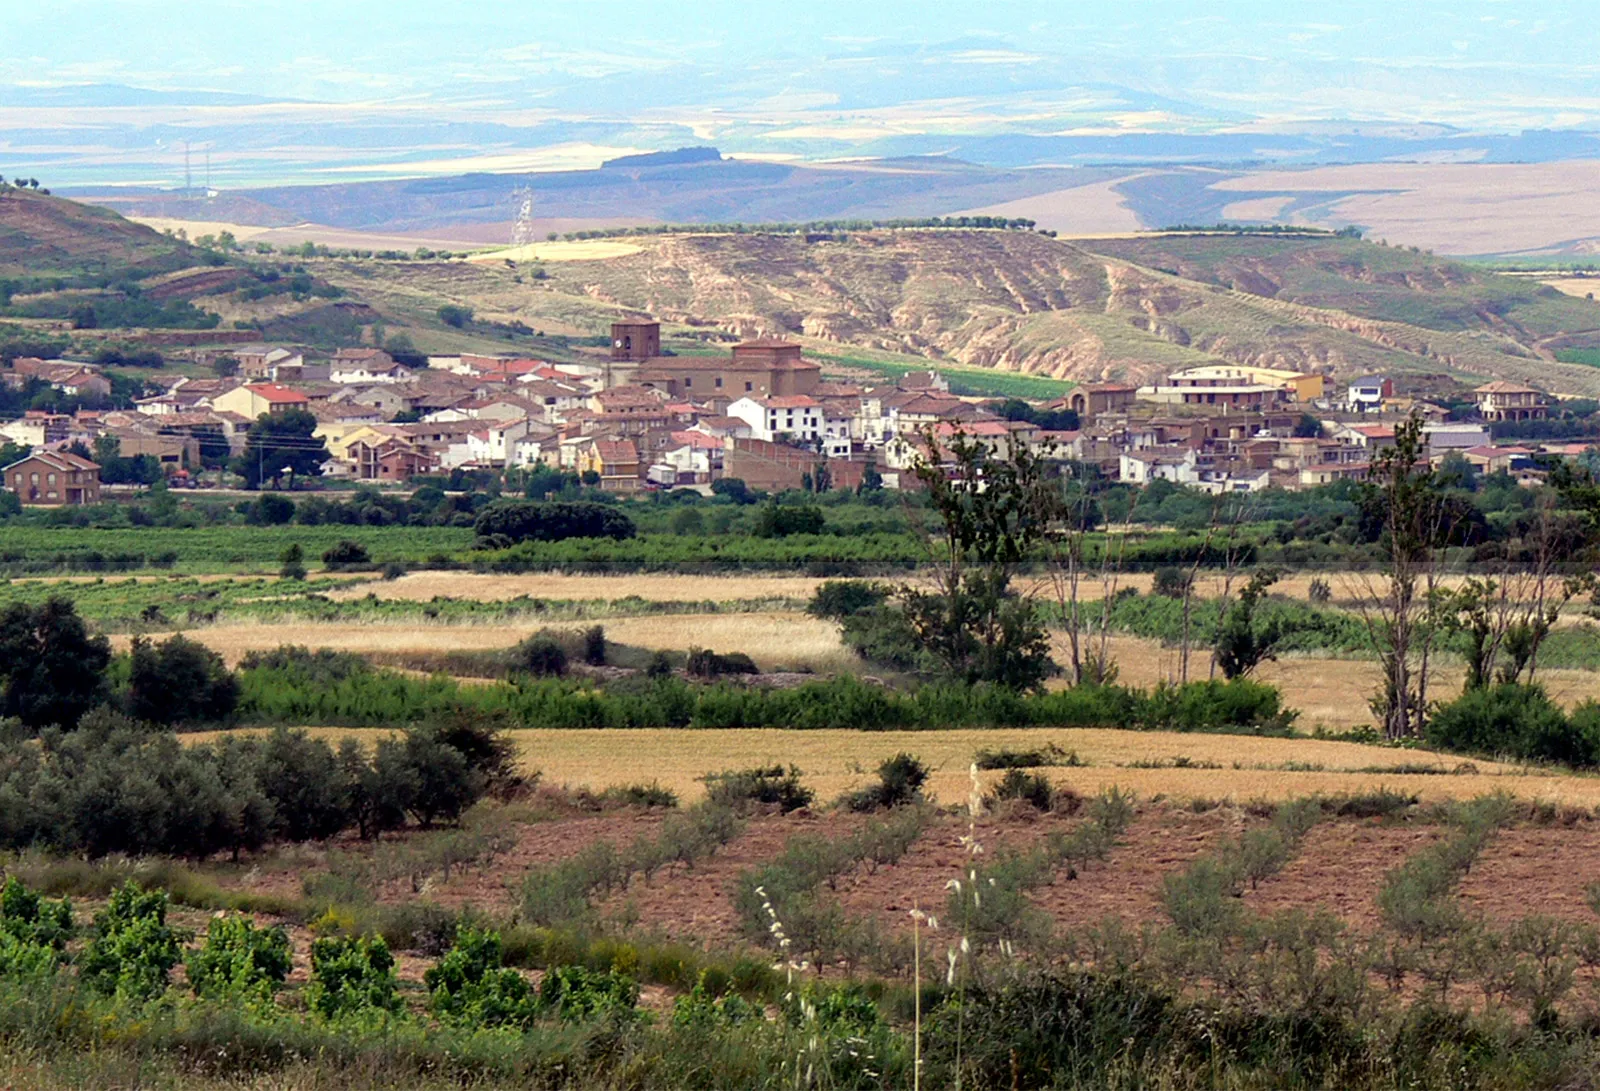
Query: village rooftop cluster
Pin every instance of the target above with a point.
(639, 418)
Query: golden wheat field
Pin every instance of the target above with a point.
(1150, 763)
(426, 586)
(777, 639)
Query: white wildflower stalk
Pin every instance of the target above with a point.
(918, 917)
(974, 849)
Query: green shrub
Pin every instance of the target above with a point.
(1170, 582)
(1034, 789)
(1375, 803)
(836, 600)
(471, 987)
(33, 932)
(704, 663)
(293, 562)
(1006, 758)
(1319, 592)
(594, 646)
(1203, 899)
(346, 554)
(900, 781)
(765, 785)
(1518, 721)
(239, 960)
(703, 1010)
(551, 521)
(1048, 1032)
(1237, 704)
(541, 656)
(777, 520)
(352, 977)
(179, 681)
(133, 949)
(579, 995)
(558, 894)
(641, 795)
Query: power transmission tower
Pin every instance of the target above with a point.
(188, 179)
(522, 232)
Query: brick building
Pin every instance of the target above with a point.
(54, 479)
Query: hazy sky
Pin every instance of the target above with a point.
(1260, 57)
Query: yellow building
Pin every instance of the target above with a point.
(254, 399)
(341, 436)
(1303, 387)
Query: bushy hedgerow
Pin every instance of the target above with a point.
(323, 693)
(513, 521)
(1520, 722)
(115, 786)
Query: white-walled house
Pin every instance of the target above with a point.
(1176, 464)
(494, 443)
(798, 416)
(1366, 394)
(365, 366)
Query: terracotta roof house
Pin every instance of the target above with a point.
(1506, 401)
(53, 479)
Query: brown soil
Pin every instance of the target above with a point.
(1535, 869)
(1340, 867)
(1526, 870)
(1160, 841)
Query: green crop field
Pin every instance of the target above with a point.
(211, 549)
(1590, 357)
(963, 380)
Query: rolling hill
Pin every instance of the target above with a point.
(1129, 307)
(43, 236)
(1085, 309)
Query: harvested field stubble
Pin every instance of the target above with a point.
(423, 586)
(834, 762)
(781, 639)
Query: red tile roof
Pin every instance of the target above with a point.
(278, 395)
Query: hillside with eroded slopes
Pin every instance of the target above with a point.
(1090, 309)
(42, 235)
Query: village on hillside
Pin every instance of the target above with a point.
(639, 418)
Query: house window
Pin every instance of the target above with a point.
(687, 382)
(52, 480)
(719, 382)
(33, 479)
(749, 387)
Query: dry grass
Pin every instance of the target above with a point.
(836, 761)
(771, 639)
(1582, 287)
(425, 586)
(579, 250)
